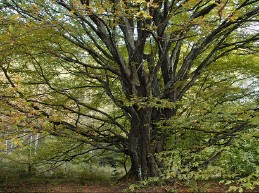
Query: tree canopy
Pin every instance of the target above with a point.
(150, 79)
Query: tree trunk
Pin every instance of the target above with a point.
(141, 151)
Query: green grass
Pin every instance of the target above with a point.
(79, 174)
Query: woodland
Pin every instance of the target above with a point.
(148, 92)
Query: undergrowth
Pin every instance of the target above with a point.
(15, 174)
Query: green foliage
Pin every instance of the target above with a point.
(59, 160)
(240, 164)
(82, 173)
(201, 145)
(127, 76)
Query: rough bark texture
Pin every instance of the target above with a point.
(141, 152)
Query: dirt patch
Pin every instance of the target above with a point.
(73, 188)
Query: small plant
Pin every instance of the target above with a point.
(197, 186)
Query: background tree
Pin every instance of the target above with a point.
(110, 71)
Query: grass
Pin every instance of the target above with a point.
(79, 174)
(85, 178)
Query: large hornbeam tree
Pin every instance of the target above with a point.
(118, 74)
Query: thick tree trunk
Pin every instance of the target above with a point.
(141, 151)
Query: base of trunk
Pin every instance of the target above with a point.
(135, 173)
(130, 176)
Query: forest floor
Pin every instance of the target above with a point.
(210, 187)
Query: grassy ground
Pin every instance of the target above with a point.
(85, 179)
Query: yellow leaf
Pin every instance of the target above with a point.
(10, 28)
(72, 12)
